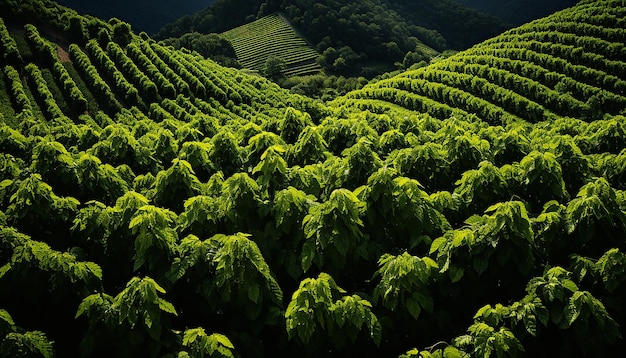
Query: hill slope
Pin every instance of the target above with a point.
(273, 37)
(569, 64)
(154, 199)
(355, 37)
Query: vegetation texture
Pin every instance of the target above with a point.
(154, 203)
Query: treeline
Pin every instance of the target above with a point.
(363, 38)
(461, 26)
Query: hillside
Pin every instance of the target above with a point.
(273, 37)
(518, 11)
(570, 64)
(356, 38)
(156, 200)
(144, 15)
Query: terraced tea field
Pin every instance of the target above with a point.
(273, 36)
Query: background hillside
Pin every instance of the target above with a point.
(144, 15)
(356, 38)
(518, 12)
(272, 38)
(475, 206)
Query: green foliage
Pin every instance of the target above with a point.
(480, 186)
(27, 344)
(45, 51)
(137, 308)
(333, 232)
(272, 170)
(287, 53)
(17, 89)
(543, 179)
(610, 268)
(595, 209)
(116, 146)
(225, 153)
(239, 268)
(122, 33)
(240, 202)
(493, 176)
(508, 228)
(273, 68)
(310, 147)
(54, 162)
(61, 266)
(487, 341)
(398, 28)
(443, 352)
(199, 344)
(293, 124)
(395, 201)
(10, 51)
(178, 181)
(99, 180)
(16, 342)
(33, 199)
(79, 101)
(288, 209)
(139, 302)
(403, 282)
(7, 323)
(191, 252)
(360, 162)
(101, 89)
(428, 163)
(13, 142)
(314, 307)
(201, 215)
(155, 236)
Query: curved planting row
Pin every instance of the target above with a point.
(540, 70)
(445, 211)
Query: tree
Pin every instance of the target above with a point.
(320, 305)
(274, 67)
(122, 33)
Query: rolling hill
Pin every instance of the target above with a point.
(178, 208)
(570, 64)
(355, 38)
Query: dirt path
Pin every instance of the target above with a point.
(63, 55)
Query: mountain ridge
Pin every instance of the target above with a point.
(148, 16)
(518, 12)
